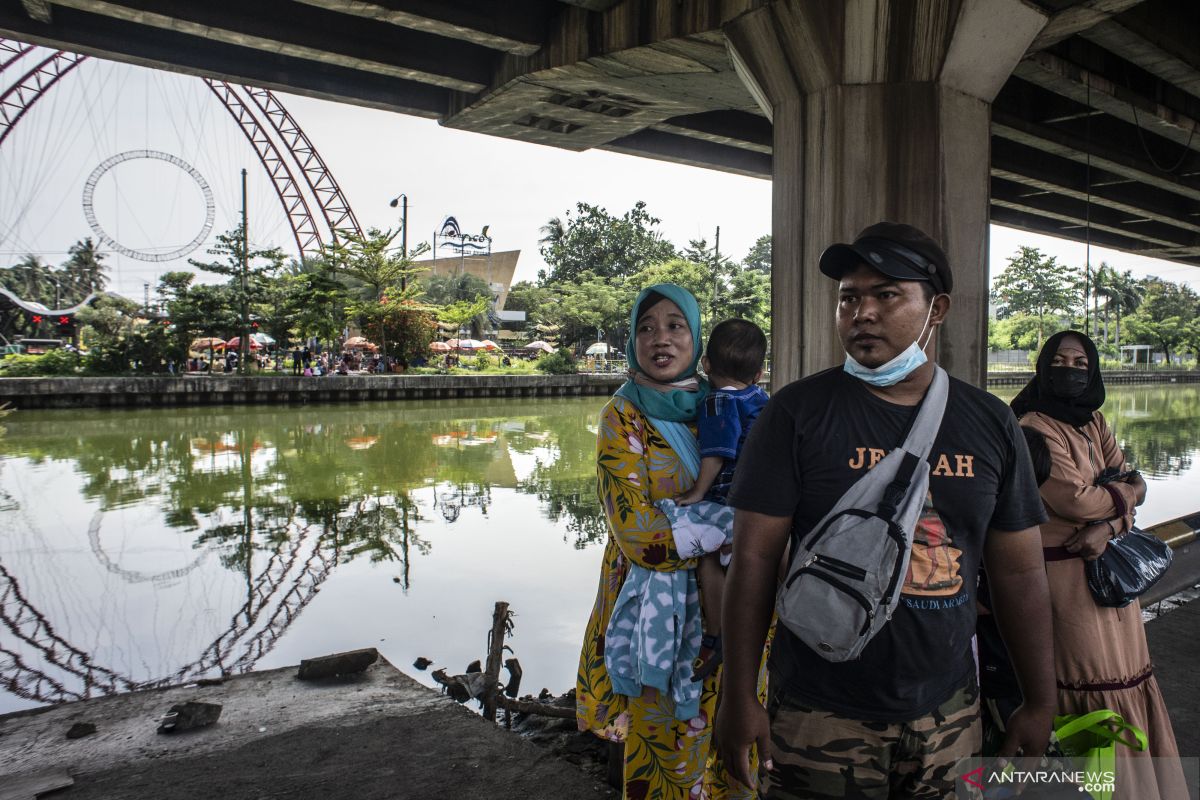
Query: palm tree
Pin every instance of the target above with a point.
(552, 232)
(1128, 293)
(83, 268)
(1104, 285)
(30, 282)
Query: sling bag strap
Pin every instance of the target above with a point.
(919, 442)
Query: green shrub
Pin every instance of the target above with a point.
(560, 362)
(51, 364)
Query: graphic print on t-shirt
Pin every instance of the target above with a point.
(933, 567)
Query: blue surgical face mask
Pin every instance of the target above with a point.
(900, 367)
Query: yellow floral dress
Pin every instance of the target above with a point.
(665, 759)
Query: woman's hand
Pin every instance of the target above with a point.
(1089, 541)
(1139, 485)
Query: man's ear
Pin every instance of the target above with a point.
(941, 307)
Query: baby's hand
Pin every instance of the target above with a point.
(688, 498)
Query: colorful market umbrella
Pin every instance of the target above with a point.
(208, 343)
(488, 344)
(440, 347)
(599, 349)
(236, 344)
(355, 342)
(545, 347)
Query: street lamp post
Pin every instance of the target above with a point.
(402, 199)
(57, 290)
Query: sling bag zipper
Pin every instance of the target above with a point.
(832, 564)
(841, 587)
(856, 512)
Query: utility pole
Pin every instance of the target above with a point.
(244, 339)
(403, 200)
(716, 270)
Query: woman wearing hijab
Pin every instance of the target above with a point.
(1101, 658)
(646, 451)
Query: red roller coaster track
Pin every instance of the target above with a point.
(281, 145)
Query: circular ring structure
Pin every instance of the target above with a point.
(89, 190)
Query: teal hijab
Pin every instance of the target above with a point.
(672, 405)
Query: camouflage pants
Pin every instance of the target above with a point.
(819, 754)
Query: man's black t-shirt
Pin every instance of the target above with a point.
(814, 439)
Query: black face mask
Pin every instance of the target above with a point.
(1068, 382)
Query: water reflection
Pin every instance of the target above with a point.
(1158, 427)
(279, 498)
(143, 548)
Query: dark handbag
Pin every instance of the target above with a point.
(1129, 565)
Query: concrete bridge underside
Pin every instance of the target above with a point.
(1075, 118)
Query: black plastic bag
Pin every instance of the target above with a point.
(1129, 565)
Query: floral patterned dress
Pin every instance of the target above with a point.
(665, 759)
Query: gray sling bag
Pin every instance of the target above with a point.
(846, 574)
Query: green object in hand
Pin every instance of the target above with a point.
(1091, 741)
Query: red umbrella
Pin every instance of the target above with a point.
(236, 344)
(439, 347)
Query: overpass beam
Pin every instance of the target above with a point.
(879, 111)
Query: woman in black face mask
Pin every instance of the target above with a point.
(1101, 659)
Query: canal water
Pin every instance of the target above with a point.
(146, 547)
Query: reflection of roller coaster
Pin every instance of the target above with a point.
(291, 579)
(133, 576)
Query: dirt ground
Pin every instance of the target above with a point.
(375, 734)
(449, 753)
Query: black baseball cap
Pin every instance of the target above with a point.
(897, 250)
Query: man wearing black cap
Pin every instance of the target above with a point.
(895, 722)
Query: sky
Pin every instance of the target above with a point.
(103, 108)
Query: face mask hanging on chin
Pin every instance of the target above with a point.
(897, 369)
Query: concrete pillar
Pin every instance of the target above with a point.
(881, 110)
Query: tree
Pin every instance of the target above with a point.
(748, 297)
(442, 290)
(1016, 332)
(1127, 296)
(28, 279)
(1035, 284)
(759, 257)
(196, 310)
(109, 317)
(591, 306)
(595, 241)
(461, 312)
(694, 277)
(552, 232)
(720, 271)
(249, 273)
(1166, 314)
(314, 301)
(1102, 286)
(380, 270)
(84, 270)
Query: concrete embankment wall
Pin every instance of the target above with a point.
(27, 393)
(1115, 378)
